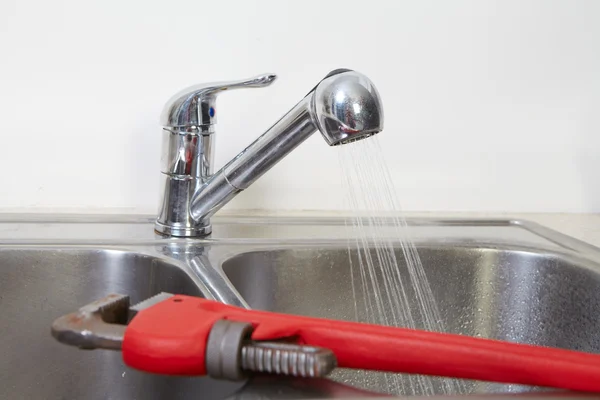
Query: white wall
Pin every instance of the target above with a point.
(490, 105)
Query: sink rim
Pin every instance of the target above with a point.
(134, 230)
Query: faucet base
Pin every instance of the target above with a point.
(180, 231)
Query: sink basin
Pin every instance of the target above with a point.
(507, 293)
(39, 284)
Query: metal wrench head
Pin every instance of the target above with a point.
(98, 325)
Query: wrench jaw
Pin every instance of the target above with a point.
(98, 325)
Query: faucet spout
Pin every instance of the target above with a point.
(260, 156)
(344, 107)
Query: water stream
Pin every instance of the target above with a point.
(389, 284)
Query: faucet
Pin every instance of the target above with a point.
(345, 107)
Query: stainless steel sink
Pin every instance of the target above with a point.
(492, 278)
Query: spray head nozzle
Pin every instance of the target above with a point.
(346, 107)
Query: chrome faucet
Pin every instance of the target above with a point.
(345, 106)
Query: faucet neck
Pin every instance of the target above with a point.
(256, 159)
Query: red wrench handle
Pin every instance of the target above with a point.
(170, 338)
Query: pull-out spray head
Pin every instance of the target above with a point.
(346, 107)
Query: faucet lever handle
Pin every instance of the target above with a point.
(254, 82)
(195, 105)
